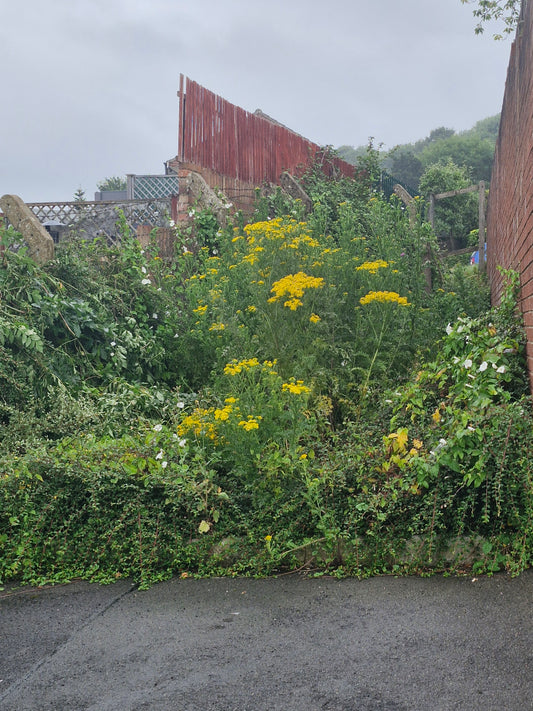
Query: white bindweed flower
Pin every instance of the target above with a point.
(146, 282)
(143, 270)
(159, 455)
(449, 328)
(164, 464)
(501, 369)
(181, 405)
(483, 366)
(154, 315)
(158, 428)
(176, 335)
(182, 443)
(467, 363)
(113, 344)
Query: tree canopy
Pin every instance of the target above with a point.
(487, 10)
(113, 183)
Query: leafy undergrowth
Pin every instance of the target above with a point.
(285, 395)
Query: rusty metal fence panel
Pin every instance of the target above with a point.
(215, 134)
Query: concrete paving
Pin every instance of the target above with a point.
(289, 643)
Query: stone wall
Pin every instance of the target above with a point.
(510, 207)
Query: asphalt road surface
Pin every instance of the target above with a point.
(289, 643)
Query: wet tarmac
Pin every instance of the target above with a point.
(291, 643)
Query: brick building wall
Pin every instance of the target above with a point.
(510, 207)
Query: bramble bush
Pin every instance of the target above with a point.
(284, 393)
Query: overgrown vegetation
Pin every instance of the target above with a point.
(287, 393)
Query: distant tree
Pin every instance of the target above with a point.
(79, 195)
(351, 154)
(474, 153)
(439, 134)
(486, 128)
(405, 166)
(455, 217)
(114, 183)
(487, 10)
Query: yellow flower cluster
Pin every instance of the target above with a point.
(223, 413)
(199, 423)
(372, 267)
(314, 318)
(296, 388)
(239, 366)
(252, 423)
(384, 297)
(293, 286)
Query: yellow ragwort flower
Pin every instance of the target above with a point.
(384, 297)
(372, 267)
(296, 388)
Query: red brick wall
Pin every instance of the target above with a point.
(510, 207)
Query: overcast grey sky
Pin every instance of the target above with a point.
(89, 86)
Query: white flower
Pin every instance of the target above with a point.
(449, 328)
(483, 366)
(159, 455)
(471, 429)
(112, 353)
(191, 213)
(172, 223)
(142, 251)
(143, 270)
(164, 464)
(106, 330)
(146, 282)
(182, 443)
(113, 344)
(154, 315)
(181, 405)
(158, 428)
(501, 369)
(467, 363)
(176, 335)
(456, 359)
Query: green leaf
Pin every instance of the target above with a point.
(204, 527)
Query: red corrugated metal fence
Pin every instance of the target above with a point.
(215, 134)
